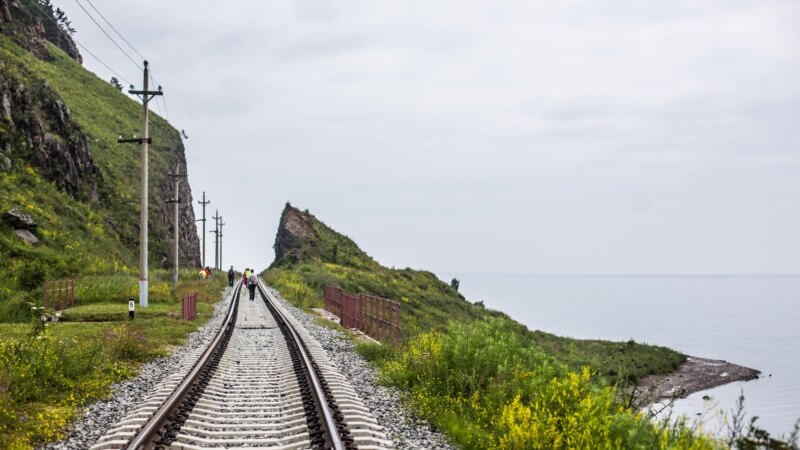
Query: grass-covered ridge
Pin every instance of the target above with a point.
(322, 256)
(92, 231)
(481, 377)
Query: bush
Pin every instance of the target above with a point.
(486, 388)
(42, 380)
(128, 342)
(34, 272)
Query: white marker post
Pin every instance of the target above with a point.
(131, 309)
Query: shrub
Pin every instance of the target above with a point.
(127, 342)
(486, 388)
(42, 380)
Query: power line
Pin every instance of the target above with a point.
(163, 97)
(49, 16)
(155, 82)
(120, 77)
(115, 30)
(109, 36)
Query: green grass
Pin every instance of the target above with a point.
(78, 236)
(486, 387)
(47, 372)
(430, 305)
(481, 377)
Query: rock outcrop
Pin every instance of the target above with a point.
(39, 133)
(40, 130)
(27, 236)
(294, 232)
(32, 26)
(302, 237)
(189, 248)
(19, 220)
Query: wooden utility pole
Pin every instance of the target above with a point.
(204, 203)
(221, 224)
(177, 176)
(146, 96)
(216, 238)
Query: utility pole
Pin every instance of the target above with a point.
(221, 224)
(204, 203)
(177, 176)
(216, 238)
(146, 96)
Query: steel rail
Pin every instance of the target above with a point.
(329, 422)
(147, 434)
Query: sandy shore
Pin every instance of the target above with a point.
(696, 374)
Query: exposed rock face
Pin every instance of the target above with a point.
(189, 247)
(27, 24)
(293, 232)
(41, 131)
(38, 130)
(19, 220)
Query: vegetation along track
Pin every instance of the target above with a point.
(263, 382)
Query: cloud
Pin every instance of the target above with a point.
(524, 136)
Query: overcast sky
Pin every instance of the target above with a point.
(486, 136)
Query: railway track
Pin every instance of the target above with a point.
(262, 383)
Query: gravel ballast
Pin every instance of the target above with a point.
(402, 426)
(100, 416)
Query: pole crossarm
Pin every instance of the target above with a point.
(135, 140)
(145, 96)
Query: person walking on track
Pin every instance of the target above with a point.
(231, 274)
(251, 285)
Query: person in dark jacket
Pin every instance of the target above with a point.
(231, 274)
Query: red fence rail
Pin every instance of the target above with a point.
(59, 294)
(377, 317)
(189, 303)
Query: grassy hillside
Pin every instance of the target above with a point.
(312, 255)
(482, 378)
(95, 230)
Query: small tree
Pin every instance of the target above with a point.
(115, 82)
(454, 283)
(61, 18)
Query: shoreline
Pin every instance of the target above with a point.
(694, 375)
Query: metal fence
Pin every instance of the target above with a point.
(189, 303)
(378, 317)
(59, 294)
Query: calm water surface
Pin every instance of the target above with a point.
(748, 320)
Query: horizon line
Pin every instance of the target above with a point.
(600, 274)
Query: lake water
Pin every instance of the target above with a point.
(753, 321)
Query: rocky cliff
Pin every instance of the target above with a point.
(38, 129)
(301, 237)
(34, 23)
(58, 129)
